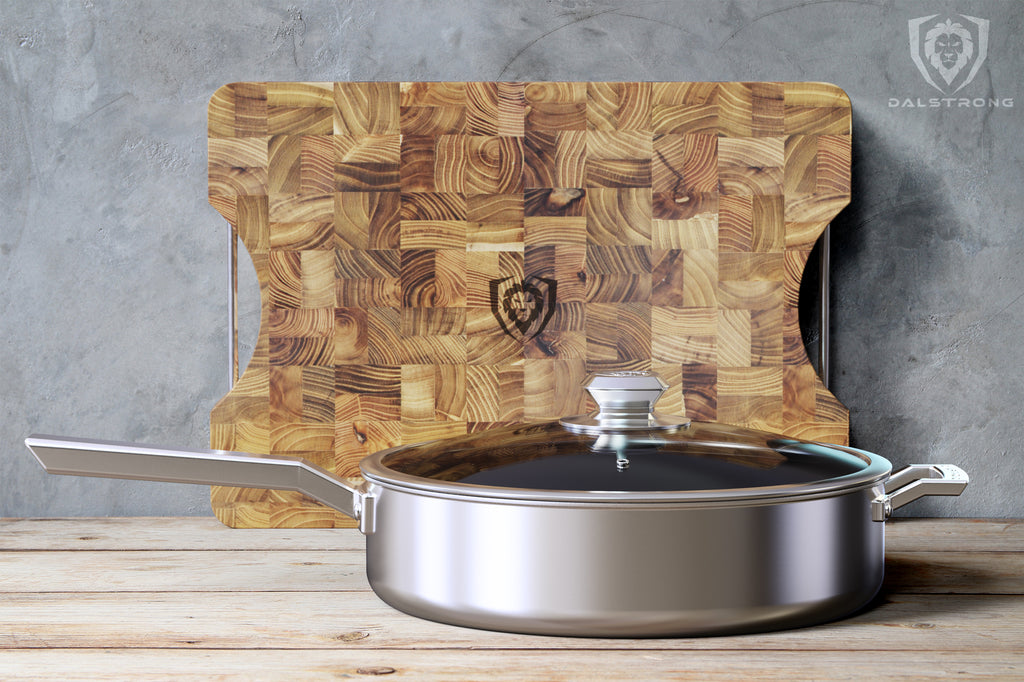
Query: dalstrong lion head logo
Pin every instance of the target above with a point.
(948, 52)
(523, 308)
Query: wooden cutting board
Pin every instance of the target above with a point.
(437, 258)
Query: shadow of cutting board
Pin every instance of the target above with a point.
(437, 258)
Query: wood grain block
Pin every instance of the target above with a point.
(439, 258)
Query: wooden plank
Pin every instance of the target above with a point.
(343, 571)
(954, 535)
(182, 571)
(202, 533)
(955, 572)
(304, 620)
(515, 666)
(165, 533)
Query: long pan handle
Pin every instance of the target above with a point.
(107, 459)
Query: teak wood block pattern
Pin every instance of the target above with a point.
(438, 258)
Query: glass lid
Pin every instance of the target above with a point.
(624, 447)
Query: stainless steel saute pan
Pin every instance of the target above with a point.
(623, 523)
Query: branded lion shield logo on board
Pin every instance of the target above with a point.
(523, 308)
(948, 52)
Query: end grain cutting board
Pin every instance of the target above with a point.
(437, 258)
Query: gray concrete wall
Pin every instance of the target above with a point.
(111, 262)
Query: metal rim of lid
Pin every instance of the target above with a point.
(876, 469)
(626, 401)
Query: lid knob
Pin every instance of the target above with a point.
(625, 402)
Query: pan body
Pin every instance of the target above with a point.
(625, 569)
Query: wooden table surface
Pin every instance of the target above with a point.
(187, 598)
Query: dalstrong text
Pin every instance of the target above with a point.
(951, 103)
